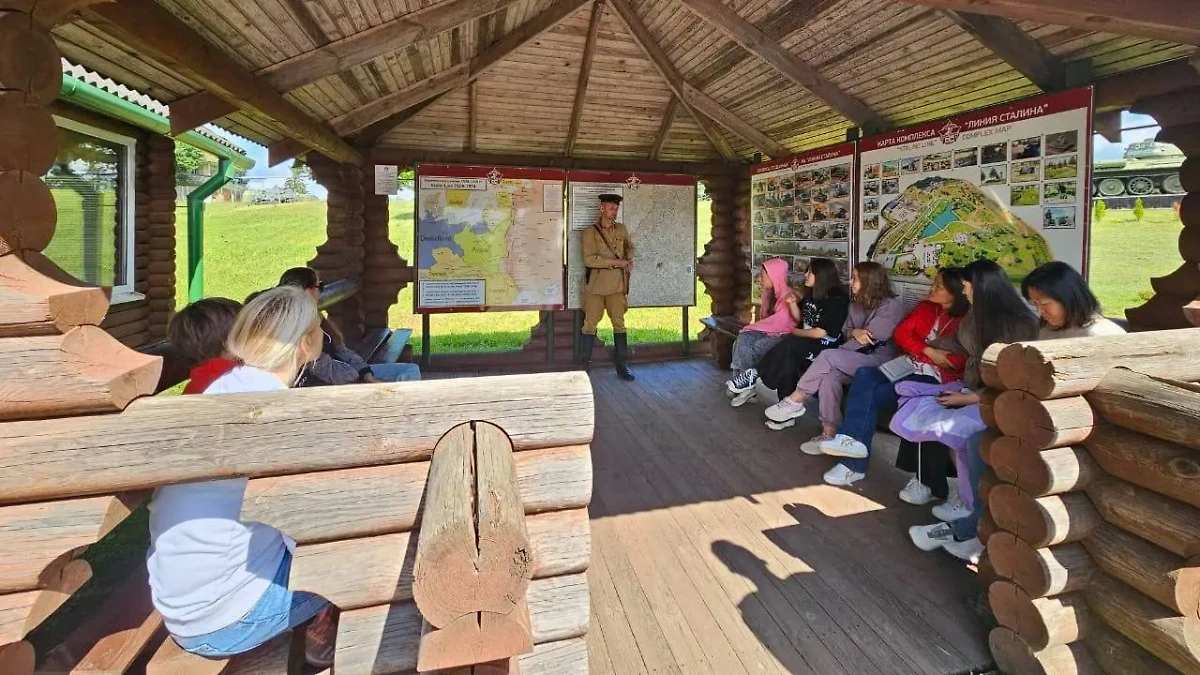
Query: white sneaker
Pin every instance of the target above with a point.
(785, 411)
(813, 445)
(931, 537)
(780, 426)
(951, 510)
(742, 398)
(743, 381)
(970, 550)
(842, 445)
(916, 492)
(842, 476)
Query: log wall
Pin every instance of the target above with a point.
(1092, 530)
(60, 362)
(385, 273)
(1181, 126)
(343, 254)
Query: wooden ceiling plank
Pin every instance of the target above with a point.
(761, 45)
(585, 72)
(395, 105)
(1170, 20)
(473, 116)
(664, 129)
(695, 101)
(147, 27)
(1012, 44)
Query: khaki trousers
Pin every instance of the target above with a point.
(594, 307)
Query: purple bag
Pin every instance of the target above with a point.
(922, 418)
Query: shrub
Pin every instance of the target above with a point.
(1139, 209)
(1100, 209)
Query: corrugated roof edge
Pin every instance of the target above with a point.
(142, 100)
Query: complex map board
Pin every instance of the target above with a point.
(660, 212)
(488, 239)
(802, 208)
(1008, 183)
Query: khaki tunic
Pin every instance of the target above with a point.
(606, 279)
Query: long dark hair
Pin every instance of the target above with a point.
(999, 314)
(875, 287)
(952, 280)
(1061, 282)
(828, 279)
(306, 278)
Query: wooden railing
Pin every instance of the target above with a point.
(1093, 504)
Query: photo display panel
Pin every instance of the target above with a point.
(1008, 183)
(488, 238)
(801, 208)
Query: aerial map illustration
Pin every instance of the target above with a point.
(939, 222)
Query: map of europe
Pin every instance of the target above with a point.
(942, 222)
(502, 236)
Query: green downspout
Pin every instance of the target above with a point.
(195, 217)
(93, 98)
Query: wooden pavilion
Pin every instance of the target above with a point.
(737, 562)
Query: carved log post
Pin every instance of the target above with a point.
(1180, 123)
(716, 267)
(342, 255)
(155, 229)
(385, 273)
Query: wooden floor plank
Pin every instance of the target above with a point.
(619, 644)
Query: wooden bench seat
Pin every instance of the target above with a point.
(723, 330)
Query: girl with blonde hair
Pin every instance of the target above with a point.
(220, 584)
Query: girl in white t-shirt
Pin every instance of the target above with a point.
(220, 584)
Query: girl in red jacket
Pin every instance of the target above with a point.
(872, 390)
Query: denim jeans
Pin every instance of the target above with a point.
(968, 527)
(276, 612)
(870, 394)
(396, 372)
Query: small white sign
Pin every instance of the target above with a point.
(457, 293)
(443, 183)
(552, 198)
(387, 179)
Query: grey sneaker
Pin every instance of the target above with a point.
(785, 411)
(842, 445)
(931, 537)
(813, 445)
(742, 398)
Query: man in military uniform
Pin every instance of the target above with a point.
(608, 257)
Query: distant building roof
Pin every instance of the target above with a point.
(138, 98)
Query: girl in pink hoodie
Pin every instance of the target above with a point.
(777, 322)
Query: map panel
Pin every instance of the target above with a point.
(660, 212)
(801, 208)
(1008, 183)
(488, 239)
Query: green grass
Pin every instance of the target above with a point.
(1126, 253)
(1026, 196)
(77, 247)
(248, 247)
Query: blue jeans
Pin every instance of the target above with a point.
(396, 372)
(276, 612)
(968, 527)
(870, 394)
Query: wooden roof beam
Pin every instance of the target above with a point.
(342, 55)
(664, 129)
(712, 131)
(382, 111)
(1170, 20)
(146, 27)
(371, 134)
(473, 116)
(1016, 47)
(585, 72)
(695, 101)
(803, 75)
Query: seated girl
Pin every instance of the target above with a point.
(872, 391)
(820, 316)
(816, 315)
(338, 364)
(756, 339)
(221, 585)
(1066, 308)
(874, 314)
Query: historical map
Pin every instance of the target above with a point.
(940, 222)
(660, 213)
(489, 243)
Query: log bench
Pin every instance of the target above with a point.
(355, 496)
(723, 331)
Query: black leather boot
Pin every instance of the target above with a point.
(621, 349)
(585, 350)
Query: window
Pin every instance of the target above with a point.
(92, 181)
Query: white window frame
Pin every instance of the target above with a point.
(124, 292)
